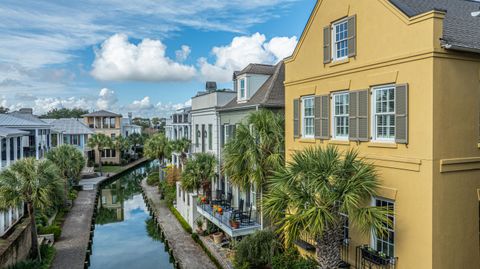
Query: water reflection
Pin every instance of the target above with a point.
(125, 235)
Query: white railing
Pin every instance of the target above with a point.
(10, 217)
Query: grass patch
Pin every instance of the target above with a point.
(180, 219)
(110, 169)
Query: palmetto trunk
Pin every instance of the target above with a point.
(35, 250)
(328, 248)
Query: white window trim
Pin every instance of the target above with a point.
(373, 236)
(303, 116)
(373, 121)
(245, 91)
(226, 135)
(332, 125)
(334, 40)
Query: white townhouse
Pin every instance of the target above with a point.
(127, 127)
(70, 131)
(179, 126)
(205, 138)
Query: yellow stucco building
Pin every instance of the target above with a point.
(399, 80)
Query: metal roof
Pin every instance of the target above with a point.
(259, 69)
(102, 113)
(69, 126)
(14, 120)
(460, 29)
(9, 132)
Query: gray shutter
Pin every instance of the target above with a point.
(401, 114)
(233, 131)
(222, 135)
(296, 118)
(318, 116)
(352, 116)
(325, 116)
(352, 36)
(362, 115)
(327, 48)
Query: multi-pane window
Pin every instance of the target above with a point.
(308, 116)
(210, 137)
(226, 133)
(384, 113)
(197, 134)
(340, 113)
(242, 89)
(340, 40)
(385, 243)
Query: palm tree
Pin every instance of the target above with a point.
(121, 144)
(198, 172)
(136, 140)
(69, 161)
(99, 142)
(31, 182)
(158, 147)
(182, 146)
(256, 150)
(313, 194)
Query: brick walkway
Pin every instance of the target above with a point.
(186, 251)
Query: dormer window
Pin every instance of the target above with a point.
(243, 89)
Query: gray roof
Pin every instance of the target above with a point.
(10, 120)
(460, 29)
(69, 126)
(260, 69)
(270, 94)
(102, 113)
(26, 116)
(7, 132)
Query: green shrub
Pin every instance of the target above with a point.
(52, 229)
(257, 250)
(291, 259)
(47, 252)
(168, 191)
(180, 219)
(72, 195)
(153, 179)
(27, 264)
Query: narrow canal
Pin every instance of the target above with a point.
(125, 235)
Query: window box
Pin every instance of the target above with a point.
(375, 257)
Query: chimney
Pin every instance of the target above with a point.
(130, 118)
(26, 110)
(211, 86)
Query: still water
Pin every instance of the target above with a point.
(125, 235)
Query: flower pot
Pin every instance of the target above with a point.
(218, 237)
(235, 224)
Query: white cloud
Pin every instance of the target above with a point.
(182, 54)
(106, 99)
(244, 50)
(120, 60)
(143, 104)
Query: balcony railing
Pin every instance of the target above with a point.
(222, 221)
(367, 258)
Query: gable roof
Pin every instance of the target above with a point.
(460, 29)
(270, 94)
(102, 113)
(259, 69)
(9, 120)
(69, 126)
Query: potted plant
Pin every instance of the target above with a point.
(199, 226)
(218, 237)
(235, 224)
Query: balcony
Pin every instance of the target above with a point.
(222, 221)
(367, 257)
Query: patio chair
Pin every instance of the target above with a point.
(227, 203)
(246, 217)
(237, 213)
(218, 198)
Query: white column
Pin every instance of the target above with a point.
(94, 123)
(1, 159)
(8, 151)
(21, 147)
(15, 148)
(101, 123)
(37, 156)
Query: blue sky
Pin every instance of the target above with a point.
(148, 57)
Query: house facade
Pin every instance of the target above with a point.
(109, 124)
(128, 128)
(205, 139)
(70, 132)
(179, 126)
(258, 87)
(399, 81)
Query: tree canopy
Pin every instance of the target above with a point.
(58, 113)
